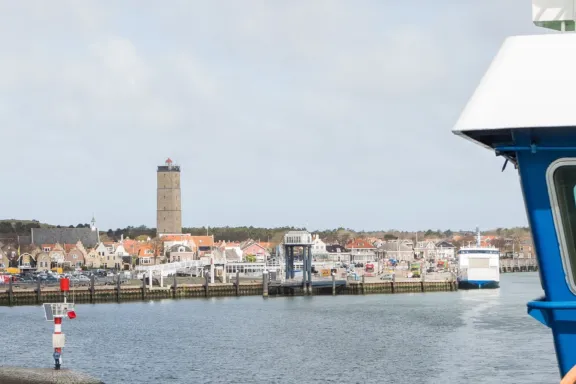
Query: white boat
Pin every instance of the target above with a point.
(478, 267)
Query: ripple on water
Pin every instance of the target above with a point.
(452, 337)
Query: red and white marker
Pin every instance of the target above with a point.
(58, 311)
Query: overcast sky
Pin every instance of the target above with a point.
(306, 113)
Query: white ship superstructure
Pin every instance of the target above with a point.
(479, 267)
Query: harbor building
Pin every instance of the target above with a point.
(169, 211)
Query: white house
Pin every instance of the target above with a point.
(120, 251)
(318, 246)
(445, 250)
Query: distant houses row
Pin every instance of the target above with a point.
(81, 247)
(369, 249)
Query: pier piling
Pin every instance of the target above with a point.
(92, 282)
(333, 284)
(265, 284)
(206, 286)
(174, 286)
(143, 287)
(118, 288)
(10, 292)
(237, 283)
(38, 292)
(423, 282)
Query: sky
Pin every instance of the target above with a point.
(317, 113)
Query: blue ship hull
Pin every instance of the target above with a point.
(478, 284)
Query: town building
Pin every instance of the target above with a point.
(89, 237)
(361, 250)
(396, 250)
(318, 246)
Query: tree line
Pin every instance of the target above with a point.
(274, 235)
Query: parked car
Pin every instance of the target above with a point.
(51, 279)
(80, 280)
(387, 276)
(27, 279)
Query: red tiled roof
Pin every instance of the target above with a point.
(203, 241)
(69, 247)
(359, 244)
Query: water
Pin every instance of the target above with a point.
(463, 337)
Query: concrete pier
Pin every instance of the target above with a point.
(518, 265)
(327, 286)
(19, 375)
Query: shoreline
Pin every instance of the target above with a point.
(107, 294)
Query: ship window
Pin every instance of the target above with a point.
(562, 181)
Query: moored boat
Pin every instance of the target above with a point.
(478, 267)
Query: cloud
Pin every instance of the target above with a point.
(334, 91)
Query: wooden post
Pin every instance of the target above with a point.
(393, 283)
(333, 284)
(237, 283)
(38, 292)
(10, 292)
(118, 288)
(174, 286)
(143, 287)
(92, 290)
(363, 281)
(206, 286)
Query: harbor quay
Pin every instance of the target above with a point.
(13, 295)
(518, 265)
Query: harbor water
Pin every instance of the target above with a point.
(482, 336)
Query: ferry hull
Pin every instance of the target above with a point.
(478, 284)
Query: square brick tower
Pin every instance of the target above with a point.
(169, 213)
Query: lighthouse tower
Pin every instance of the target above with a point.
(169, 211)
